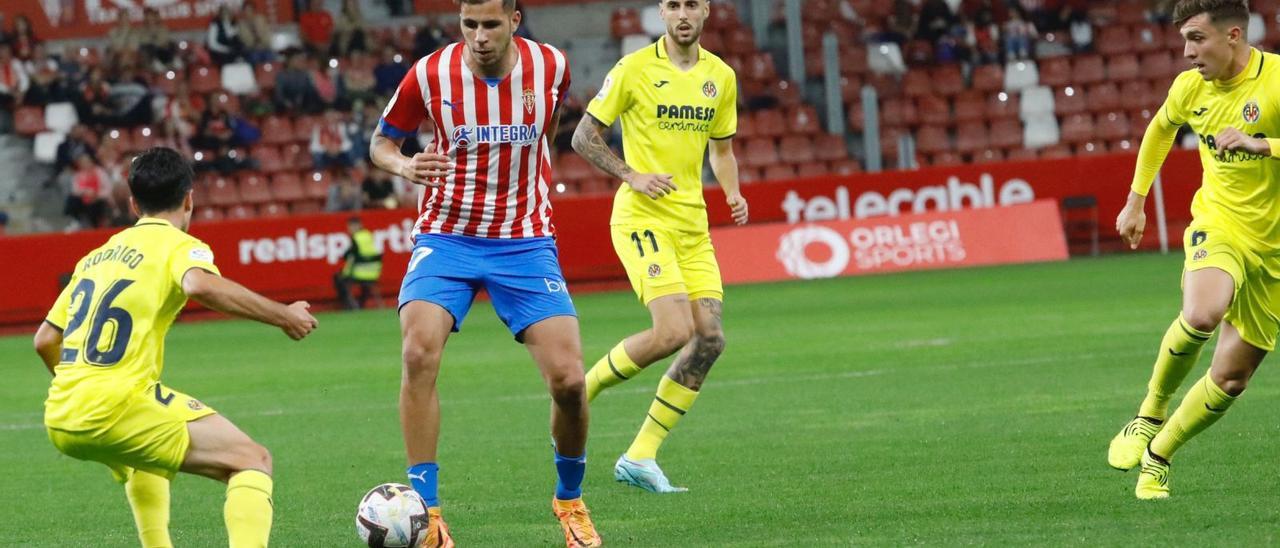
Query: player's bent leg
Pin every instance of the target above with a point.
(1234, 363)
(221, 451)
(673, 327)
(148, 496)
(424, 328)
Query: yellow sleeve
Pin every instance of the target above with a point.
(1161, 133)
(57, 315)
(725, 124)
(1275, 147)
(190, 254)
(614, 97)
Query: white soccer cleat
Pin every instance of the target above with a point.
(644, 474)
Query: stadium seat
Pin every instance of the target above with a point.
(814, 65)
(846, 167)
(989, 78)
(1137, 93)
(746, 127)
(972, 138)
(748, 175)
(28, 120)
(238, 78)
(166, 84)
(1078, 128)
(829, 147)
(269, 158)
(739, 39)
(932, 140)
(296, 156)
(1104, 97)
(272, 209)
(1069, 100)
(1019, 75)
(886, 86)
(886, 59)
(1114, 39)
(1173, 40)
(761, 152)
(60, 117)
(970, 106)
(1003, 105)
(1006, 133)
(1157, 64)
(1088, 69)
(143, 137)
(934, 110)
(204, 79)
(1123, 145)
(1129, 13)
(1055, 71)
(802, 120)
(223, 192)
(947, 158)
(724, 16)
(987, 156)
(854, 61)
(1139, 119)
(897, 113)
(45, 147)
(1036, 100)
(625, 22)
(947, 80)
(778, 172)
(265, 75)
(277, 129)
(241, 212)
(796, 149)
(787, 93)
(916, 83)
(208, 214)
(1040, 131)
(770, 123)
(573, 168)
(812, 169)
(714, 43)
(1113, 126)
(1054, 152)
(306, 207)
(1124, 67)
(253, 189)
(1148, 37)
(1091, 148)
(1020, 155)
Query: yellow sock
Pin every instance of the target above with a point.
(1204, 405)
(1179, 352)
(148, 496)
(248, 509)
(611, 370)
(671, 403)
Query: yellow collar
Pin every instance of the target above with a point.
(1252, 70)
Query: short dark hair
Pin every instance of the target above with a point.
(160, 179)
(507, 5)
(1218, 10)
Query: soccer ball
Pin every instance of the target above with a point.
(391, 515)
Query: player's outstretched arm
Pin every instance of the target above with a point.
(229, 297)
(724, 164)
(588, 142)
(424, 168)
(48, 344)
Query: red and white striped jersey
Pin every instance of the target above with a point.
(493, 133)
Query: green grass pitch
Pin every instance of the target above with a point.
(938, 408)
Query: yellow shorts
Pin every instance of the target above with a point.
(1255, 311)
(150, 435)
(661, 262)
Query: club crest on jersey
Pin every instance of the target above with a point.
(709, 89)
(655, 270)
(1200, 255)
(194, 404)
(1252, 112)
(530, 100)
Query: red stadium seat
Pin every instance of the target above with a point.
(204, 79)
(306, 207)
(1148, 37)
(223, 192)
(988, 78)
(802, 121)
(296, 156)
(1114, 40)
(1113, 126)
(625, 22)
(830, 147)
(208, 214)
(265, 75)
(972, 138)
(770, 123)
(787, 93)
(272, 210)
(970, 106)
(1173, 40)
(760, 67)
(812, 169)
(28, 120)
(739, 39)
(1091, 148)
(712, 41)
(748, 175)
(1060, 150)
(143, 137)
(1123, 67)
(898, 112)
(1130, 13)
(1077, 128)
(253, 189)
(1069, 100)
(947, 80)
(778, 172)
(916, 83)
(303, 126)
(1006, 133)
(1088, 69)
(796, 149)
(1055, 71)
(1157, 64)
(278, 129)
(946, 159)
(987, 156)
(1104, 97)
(761, 153)
(846, 167)
(1002, 105)
(724, 16)
(934, 110)
(932, 140)
(1137, 93)
(1139, 119)
(886, 86)
(269, 159)
(241, 211)
(287, 187)
(316, 184)
(573, 168)
(747, 128)
(1020, 155)
(919, 52)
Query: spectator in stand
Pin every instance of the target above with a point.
(87, 202)
(129, 97)
(379, 189)
(397, 8)
(316, 26)
(122, 37)
(223, 42)
(295, 91)
(344, 195)
(255, 32)
(24, 38)
(936, 21)
(79, 142)
(1076, 18)
(4, 222)
(984, 36)
(5, 35)
(524, 30)
(13, 79)
(426, 40)
(1019, 35)
(91, 101)
(348, 30)
(330, 145)
(364, 119)
(154, 39)
(47, 83)
(357, 82)
(389, 71)
(324, 74)
(900, 26)
(178, 118)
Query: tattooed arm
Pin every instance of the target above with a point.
(588, 142)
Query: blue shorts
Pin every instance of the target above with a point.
(522, 277)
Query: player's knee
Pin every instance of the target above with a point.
(711, 344)
(568, 389)
(673, 336)
(1231, 382)
(1202, 318)
(250, 456)
(420, 362)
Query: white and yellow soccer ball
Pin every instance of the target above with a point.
(391, 515)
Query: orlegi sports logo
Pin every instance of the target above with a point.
(870, 248)
(498, 134)
(685, 118)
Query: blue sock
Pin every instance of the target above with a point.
(423, 477)
(570, 471)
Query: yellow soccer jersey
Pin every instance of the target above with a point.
(114, 314)
(667, 117)
(1240, 191)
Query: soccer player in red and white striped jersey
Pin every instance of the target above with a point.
(485, 221)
